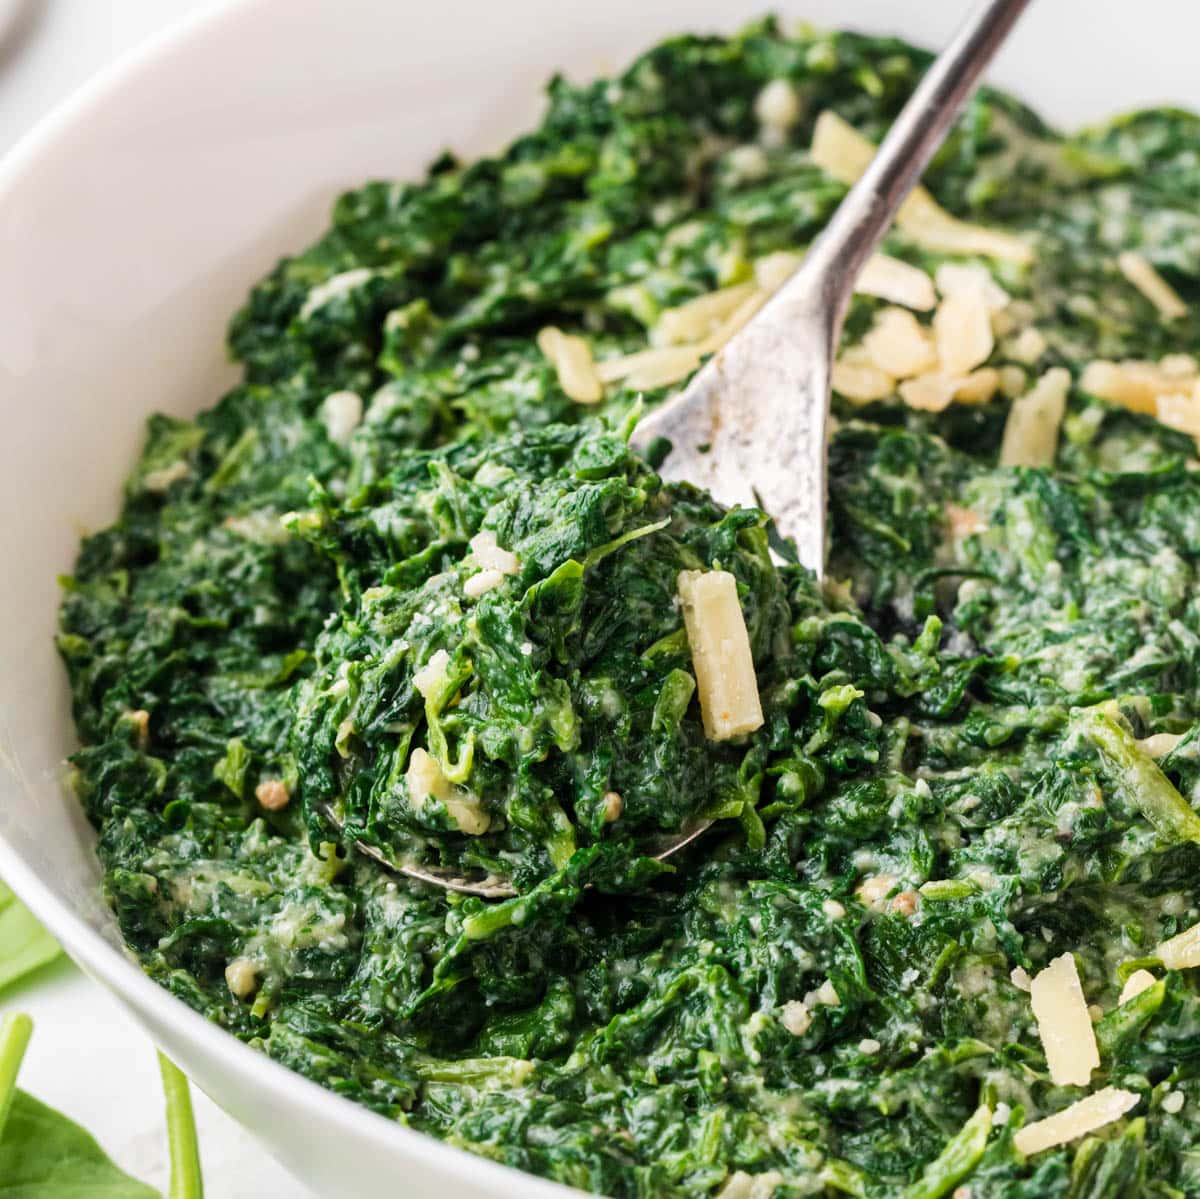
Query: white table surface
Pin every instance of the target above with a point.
(87, 1058)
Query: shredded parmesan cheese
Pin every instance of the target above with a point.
(571, 357)
(839, 149)
(969, 278)
(1031, 431)
(721, 657)
(855, 377)
(899, 345)
(1141, 273)
(1135, 984)
(1181, 952)
(962, 330)
(1180, 412)
(1088, 1114)
(1132, 383)
(698, 318)
(897, 282)
(648, 369)
(1063, 1023)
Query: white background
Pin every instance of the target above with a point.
(86, 1057)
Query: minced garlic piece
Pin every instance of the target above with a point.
(241, 976)
(897, 282)
(777, 108)
(612, 807)
(899, 345)
(1090, 1113)
(341, 414)
(482, 582)
(795, 1017)
(740, 1185)
(1031, 431)
(1028, 346)
(490, 556)
(1020, 978)
(856, 378)
(1181, 952)
(1141, 273)
(1063, 1023)
(273, 794)
(1135, 984)
(431, 677)
(721, 656)
(157, 481)
(839, 149)
(571, 357)
(873, 891)
(1158, 745)
(963, 332)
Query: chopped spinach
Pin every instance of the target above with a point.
(951, 782)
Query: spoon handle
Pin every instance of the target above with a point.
(866, 213)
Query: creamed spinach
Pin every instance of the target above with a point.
(980, 746)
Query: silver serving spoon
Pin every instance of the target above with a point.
(751, 426)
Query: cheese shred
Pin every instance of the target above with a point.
(721, 657)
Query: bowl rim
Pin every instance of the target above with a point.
(100, 959)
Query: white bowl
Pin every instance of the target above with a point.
(132, 223)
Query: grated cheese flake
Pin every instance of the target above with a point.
(571, 358)
(1180, 412)
(721, 656)
(929, 393)
(650, 368)
(1135, 984)
(431, 678)
(962, 330)
(698, 318)
(1063, 1023)
(733, 323)
(1131, 383)
(899, 345)
(896, 281)
(1092, 1112)
(840, 150)
(856, 378)
(1141, 273)
(1031, 431)
(1181, 952)
(959, 278)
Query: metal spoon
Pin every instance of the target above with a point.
(751, 426)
